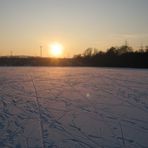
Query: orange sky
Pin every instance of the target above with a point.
(76, 24)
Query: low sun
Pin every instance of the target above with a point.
(56, 50)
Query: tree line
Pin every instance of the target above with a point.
(123, 56)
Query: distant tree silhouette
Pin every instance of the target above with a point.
(89, 52)
(123, 56)
(146, 48)
(112, 51)
(124, 49)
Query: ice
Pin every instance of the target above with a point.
(73, 107)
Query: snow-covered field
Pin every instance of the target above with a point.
(73, 108)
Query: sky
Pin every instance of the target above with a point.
(25, 25)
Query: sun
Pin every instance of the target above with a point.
(56, 50)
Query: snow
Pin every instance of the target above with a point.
(73, 108)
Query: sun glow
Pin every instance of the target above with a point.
(56, 50)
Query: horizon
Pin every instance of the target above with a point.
(76, 25)
(142, 49)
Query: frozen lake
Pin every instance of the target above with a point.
(73, 108)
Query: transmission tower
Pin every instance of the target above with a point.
(41, 48)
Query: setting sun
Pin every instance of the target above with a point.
(56, 50)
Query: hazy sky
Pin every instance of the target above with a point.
(77, 24)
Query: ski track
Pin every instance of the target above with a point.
(73, 108)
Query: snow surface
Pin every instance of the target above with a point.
(73, 108)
